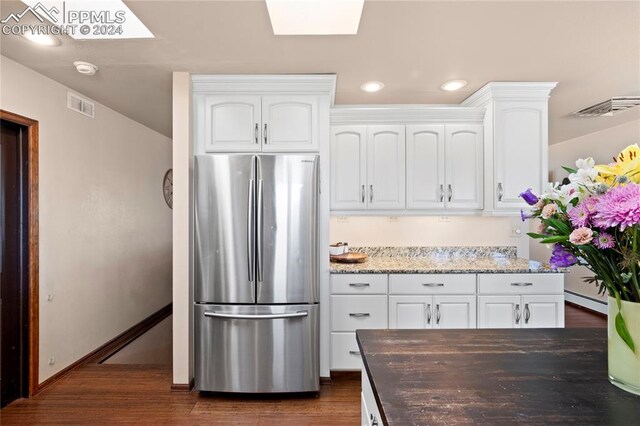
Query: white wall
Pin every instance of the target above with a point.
(602, 146)
(429, 231)
(182, 230)
(105, 231)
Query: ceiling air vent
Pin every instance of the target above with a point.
(81, 105)
(609, 107)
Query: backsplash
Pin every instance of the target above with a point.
(443, 252)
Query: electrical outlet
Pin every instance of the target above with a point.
(394, 219)
(343, 219)
(52, 360)
(444, 219)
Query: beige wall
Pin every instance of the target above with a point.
(105, 231)
(602, 146)
(429, 231)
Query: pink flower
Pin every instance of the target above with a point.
(539, 205)
(542, 228)
(581, 236)
(579, 216)
(604, 241)
(589, 204)
(549, 210)
(620, 206)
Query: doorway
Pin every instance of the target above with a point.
(18, 257)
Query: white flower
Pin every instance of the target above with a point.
(586, 163)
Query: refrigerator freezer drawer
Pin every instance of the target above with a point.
(256, 349)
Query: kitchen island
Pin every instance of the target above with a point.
(427, 377)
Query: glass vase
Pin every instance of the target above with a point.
(624, 364)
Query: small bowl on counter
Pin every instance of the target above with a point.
(338, 249)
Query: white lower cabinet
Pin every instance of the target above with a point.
(345, 355)
(370, 413)
(527, 311)
(432, 311)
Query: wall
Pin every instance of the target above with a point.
(429, 231)
(182, 230)
(602, 146)
(105, 231)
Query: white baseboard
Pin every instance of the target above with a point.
(587, 302)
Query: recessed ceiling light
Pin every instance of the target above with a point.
(452, 85)
(372, 86)
(314, 17)
(41, 39)
(86, 68)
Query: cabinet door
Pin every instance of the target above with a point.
(348, 167)
(386, 167)
(410, 311)
(454, 311)
(228, 123)
(425, 167)
(499, 311)
(543, 311)
(520, 147)
(463, 166)
(289, 123)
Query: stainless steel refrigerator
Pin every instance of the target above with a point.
(256, 308)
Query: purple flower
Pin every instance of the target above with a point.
(620, 206)
(561, 258)
(579, 216)
(529, 197)
(589, 204)
(524, 215)
(604, 241)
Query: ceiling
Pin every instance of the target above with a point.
(591, 48)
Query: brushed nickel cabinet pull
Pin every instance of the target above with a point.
(522, 284)
(527, 313)
(450, 189)
(438, 313)
(441, 193)
(428, 313)
(517, 313)
(358, 285)
(500, 191)
(354, 353)
(363, 194)
(371, 193)
(433, 284)
(265, 133)
(359, 314)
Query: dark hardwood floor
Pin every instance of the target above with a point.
(118, 393)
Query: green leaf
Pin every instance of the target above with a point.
(569, 169)
(556, 239)
(534, 235)
(559, 225)
(623, 332)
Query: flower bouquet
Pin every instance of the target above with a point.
(594, 220)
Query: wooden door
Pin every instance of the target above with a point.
(410, 312)
(289, 123)
(348, 167)
(425, 167)
(464, 166)
(386, 167)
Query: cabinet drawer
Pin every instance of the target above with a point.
(520, 283)
(349, 313)
(432, 284)
(359, 284)
(345, 354)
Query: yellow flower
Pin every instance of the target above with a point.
(627, 163)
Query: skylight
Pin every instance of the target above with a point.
(315, 17)
(86, 19)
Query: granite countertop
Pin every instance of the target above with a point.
(450, 260)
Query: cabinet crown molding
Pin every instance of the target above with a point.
(519, 90)
(405, 114)
(301, 84)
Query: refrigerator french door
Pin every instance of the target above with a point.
(256, 275)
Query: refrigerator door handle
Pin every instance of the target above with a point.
(259, 230)
(298, 314)
(251, 230)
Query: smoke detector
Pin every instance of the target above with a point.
(610, 107)
(85, 68)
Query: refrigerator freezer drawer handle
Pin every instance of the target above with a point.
(298, 314)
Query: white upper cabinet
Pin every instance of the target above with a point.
(463, 166)
(520, 144)
(425, 166)
(229, 123)
(386, 167)
(348, 167)
(289, 123)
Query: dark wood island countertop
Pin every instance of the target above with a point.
(489, 376)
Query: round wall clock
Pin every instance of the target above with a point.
(167, 188)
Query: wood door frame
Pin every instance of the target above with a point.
(33, 267)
